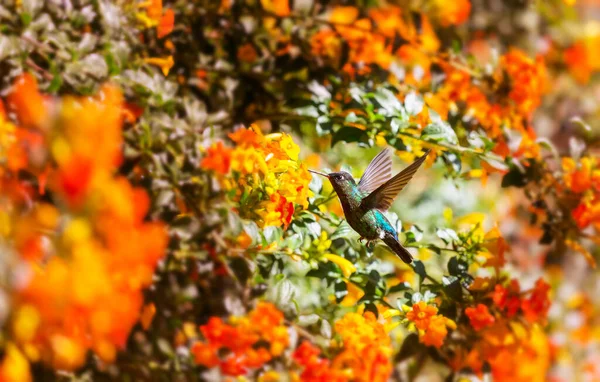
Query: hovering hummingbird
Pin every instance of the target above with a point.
(365, 202)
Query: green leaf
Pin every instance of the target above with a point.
(342, 231)
(514, 178)
(340, 290)
(399, 287)
(419, 268)
(294, 241)
(439, 130)
(272, 234)
(388, 101)
(349, 134)
(410, 347)
(326, 329)
(457, 267)
(283, 292)
(252, 230)
(452, 287)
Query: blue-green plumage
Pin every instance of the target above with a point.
(363, 202)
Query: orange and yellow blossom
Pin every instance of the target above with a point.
(432, 327)
(452, 13)
(582, 58)
(64, 310)
(263, 169)
(513, 353)
(582, 176)
(369, 39)
(365, 353)
(527, 83)
(240, 337)
(154, 16)
(421, 314)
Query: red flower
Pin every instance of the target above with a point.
(234, 366)
(218, 158)
(536, 306)
(205, 354)
(480, 317)
(285, 208)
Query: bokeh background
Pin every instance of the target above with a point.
(158, 220)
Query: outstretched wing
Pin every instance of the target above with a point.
(383, 197)
(377, 173)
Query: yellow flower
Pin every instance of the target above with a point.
(14, 367)
(165, 64)
(346, 266)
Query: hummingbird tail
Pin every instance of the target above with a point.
(398, 249)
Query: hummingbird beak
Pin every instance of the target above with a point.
(319, 173)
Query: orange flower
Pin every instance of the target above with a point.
(453, 13)
(166, 24)
(27, 102)
(582, 58)
(278, 7)
(265, 324)
(479, 316)
(314, 367)
(218, 158)
(577, 59)
(205, 354)
(421, 314)
(535, 308)
(367, 347)
(63, 310)
(365, 353)
(581, 177)
(528, 80)
(436, 332)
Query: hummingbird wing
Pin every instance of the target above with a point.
(377, 173)
(383, 197)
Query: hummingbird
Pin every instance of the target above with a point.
(364, 202)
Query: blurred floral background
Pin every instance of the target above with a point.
(158, 220)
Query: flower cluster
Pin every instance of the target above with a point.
(525, 80)
(432, 327)
(365, 351)
(371, 39)
(247, 342)
(83, 286)
(262, 174)
(505, 338)
(582, 58)
(154, 16)
(583, 179)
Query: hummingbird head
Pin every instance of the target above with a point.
(340, 180)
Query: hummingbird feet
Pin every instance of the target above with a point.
(369, 243)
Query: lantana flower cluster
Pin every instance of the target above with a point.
(245, 343)
(81, 288)
(526, 81)
(582, 178)
(262, 174)
(370, 39)
(432, 327)
(509, 331)
(365, 353)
